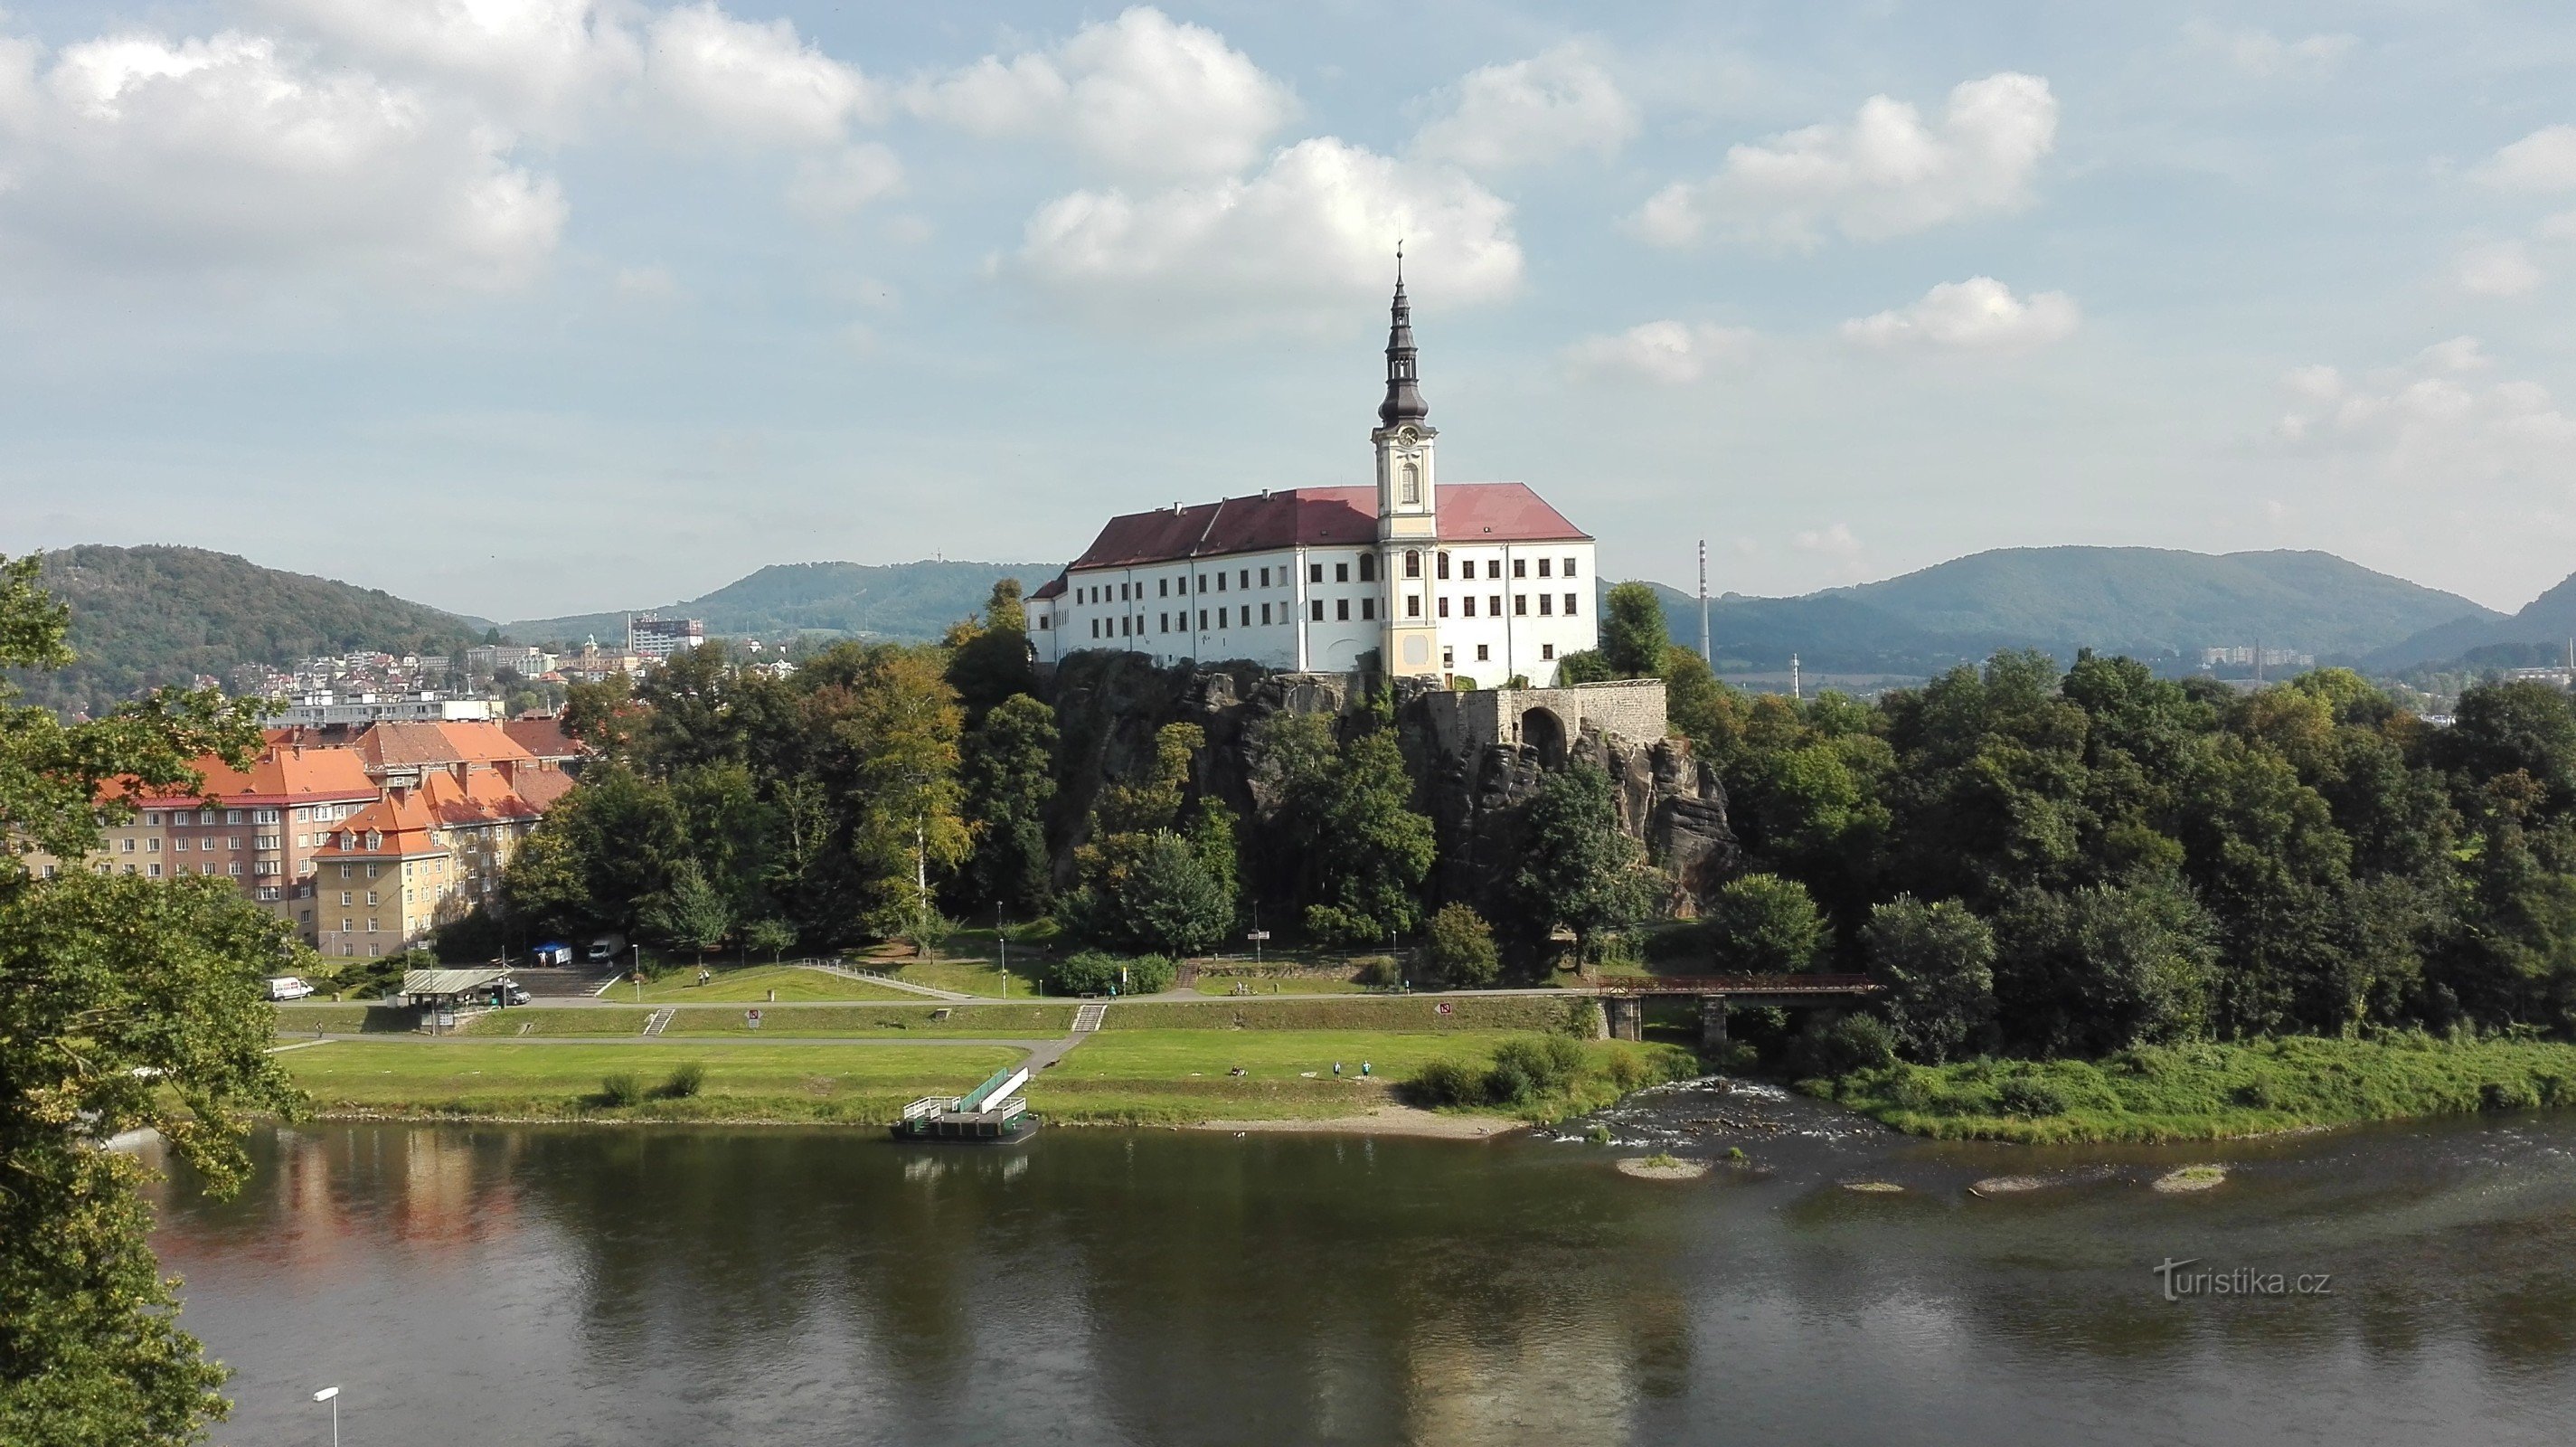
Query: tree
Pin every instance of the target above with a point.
(1152, 892)
(126, 1004)
(771, 937)
(2104, 968)
(989, 662)
(1633, 636)
(1576, 868)
(1461, 950)
(1938, 964)
(1370, 850)
(1762, 924)
(692, 914)
(1007, 764)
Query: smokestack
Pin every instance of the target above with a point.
(1704, 655)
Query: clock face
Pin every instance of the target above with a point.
(1408, 436)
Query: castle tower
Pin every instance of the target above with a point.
(1408, 525)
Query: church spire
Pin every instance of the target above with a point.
(1403, 375)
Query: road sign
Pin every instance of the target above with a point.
(751, 1018)
(1444, 1007)
(1259, 934)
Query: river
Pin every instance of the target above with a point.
(537, 1284)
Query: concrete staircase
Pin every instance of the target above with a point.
(1087, 1018)
(548, 982)
(660, 1019)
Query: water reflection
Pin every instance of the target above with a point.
(683, 1286)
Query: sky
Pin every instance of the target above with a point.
(540, 307)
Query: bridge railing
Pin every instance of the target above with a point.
(1736, 985)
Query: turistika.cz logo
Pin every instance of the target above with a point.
(2180, 1281)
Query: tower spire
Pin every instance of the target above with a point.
(1403, 373)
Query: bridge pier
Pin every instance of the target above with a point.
(1627, 1017)
(1712, 1023)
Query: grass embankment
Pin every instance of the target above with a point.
(564, 1082)
(1293, 985)
(751, 985)
(560, 1020)
(988, 1022)
(2209, 1092)
(1402, 1013)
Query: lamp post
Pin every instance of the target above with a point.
(1002, 937)
(332, 1396)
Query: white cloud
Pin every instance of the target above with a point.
(750, 82)
(1977, 315)
(1312, 232)
(1668, 352)
(2262, 54)
(842, 182)
(234, 152)
(1530, 112)
(2545, 160)
(539, 64)
(2502, 268)
(1835, 542)
(2435, 420)
(1885, 174)
(1142, 94)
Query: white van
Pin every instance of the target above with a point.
(604, 949)
(288, 987)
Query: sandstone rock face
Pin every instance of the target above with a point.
(1109, 707)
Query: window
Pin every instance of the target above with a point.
(1202, 620)
(1412, 563)
(1243, 577)
(371, 924)
(1163, 622)
(1318, 606)
(1315, 574)
(1520, 567)
(1220, 614)
(233, 842)
(151, 816)
(1265, 577)
(233, 869)
(1265, 615)
(1368, 567)
(232, 816)
(1448, 658)
(1095, 627)
(263, 816)
(1046, 622)
(1342, 610)
(152, 845)
(1341, 572)
(125, 846)
(347, 925)
(371, 896)
(1202, 582)
(1494, 604)
(1368, 609)
(1444, 606)
(1412, 483)
(1467, 602)
(1484, 652)
(1520, 605)
(153, 870)
(1443, 566)
(1569, 605)
(344, 873)
(1546, 604)
(1220, 580)
(180, 843)
(1542, 566)
(1412, 605)
(344, 899)
(1165, 588)
(1547, 651)
(1493, 567)
(304, 816)
(204, 816)
(1125, 625)
(1569, 572)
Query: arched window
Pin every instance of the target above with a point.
(1412, 490)
(1412, 563)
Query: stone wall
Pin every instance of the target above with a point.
(1629, 708)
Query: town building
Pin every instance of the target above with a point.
(1474, 583)
(318, 708)
(659, 638)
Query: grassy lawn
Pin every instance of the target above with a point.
(784, 1083)
(1344, 1012)
(1223, 986)
(967, 977)
(2207, 1092)
(559, 1020)
(752, 984)
(993, 1022)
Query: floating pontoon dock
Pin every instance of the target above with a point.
(993, 1113)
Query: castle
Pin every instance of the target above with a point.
(1475, 584)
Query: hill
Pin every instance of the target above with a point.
(2153, 603)
(2535, 635)
(143, 617)
(905, 602)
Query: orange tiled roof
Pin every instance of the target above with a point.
(411, 745)
(405, 823)
(542, 787)
(483, 799)
(542, 735)
(282, 775)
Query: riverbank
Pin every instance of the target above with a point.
(2211, 1091)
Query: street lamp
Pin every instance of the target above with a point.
(332, 1396)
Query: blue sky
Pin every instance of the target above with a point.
(524, 308)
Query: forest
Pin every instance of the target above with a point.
(2034, 859)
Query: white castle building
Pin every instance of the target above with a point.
(1473, 582)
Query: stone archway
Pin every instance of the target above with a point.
(1542, 730)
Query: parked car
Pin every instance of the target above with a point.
(288, 987)
(604, 949)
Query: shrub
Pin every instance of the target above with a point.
(1583, 1019)
(2254, 1093)
(1509, 1083)
(1378, 972)
(1763, 924)
(1448, 1082)
(1093, 972)
(1848, 1044)
(1461, 950)
(621, 1089)
(2029, 1095)
(685, 1081)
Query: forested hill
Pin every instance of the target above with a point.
(142, 617)
(899, 601)
(2148, 602)
(2537, 634)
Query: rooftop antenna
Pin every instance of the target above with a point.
(1704, 655)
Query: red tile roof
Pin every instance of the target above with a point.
(542, 787)
(1470, 512)
(542, 735)
(282, 775)
(404, 820)
(410, 745)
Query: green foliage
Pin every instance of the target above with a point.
(901, 602)
(988, 660)
(1093, 972)
(1585, 665)
(1763, 924)
(621, 1089)
(1008, 764)
(2104, 968)
(1540, 1075)
(690, 915)
(771, 937)
(1460, 948)
(1633, 639)
(1343, 811)
(1938, 964)
(126, 1004)
(684, 1081)
(1576, 868)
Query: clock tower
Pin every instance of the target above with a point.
(1408, 525)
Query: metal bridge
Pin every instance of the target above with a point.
(1624, 997)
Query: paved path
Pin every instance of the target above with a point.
(888, 980)
(719, 1042)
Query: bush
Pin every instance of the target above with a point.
(1510, 1083)
(1461, 950)
(621, 1090)
(685, 1081)
(2254, 1093)
(2031, 1096)
(1448, 1082)
(1762, 924)
(1378, 972)
(1094, 972)
(1850, 1043)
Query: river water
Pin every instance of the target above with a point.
(533, 1284)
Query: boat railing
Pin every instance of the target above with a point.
(932, 1105)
